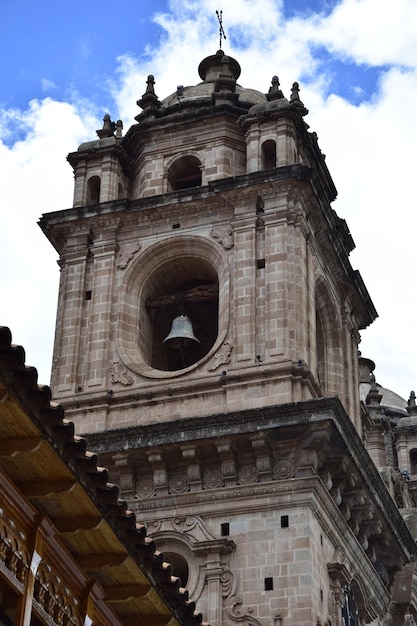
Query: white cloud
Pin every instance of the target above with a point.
(48, 85)
(375, 32)
(369, 146)
(370, 154)
(37, 179)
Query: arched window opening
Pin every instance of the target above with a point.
(321, 350)
(328, 353)
(184, 173)
(350, 614)
(184, 290)
(179, 566)
(413, 461)
(269, 154)
(93, 190)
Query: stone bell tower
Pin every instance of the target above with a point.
(207, 346)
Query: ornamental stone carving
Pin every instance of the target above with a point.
(119, 374)
(222, 356)
(224, 236)
(145, 488)
(126, 253)
(236, 613)
(212, 478)
(283, 468)
(179, 484)
(247, 475)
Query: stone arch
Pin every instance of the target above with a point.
(93, 190)
(175, 264)
(184, 172)
(327, 339)
(269, 154)
(177, 549)
(413, 461)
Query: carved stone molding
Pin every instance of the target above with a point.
(228, 582)
(237, 613)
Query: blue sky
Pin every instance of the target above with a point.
(66, 64)
(55, 49)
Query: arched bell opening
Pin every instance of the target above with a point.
(269, 154)
(180, 303)
(93, 190)
(413, 461)
(329, 364)
(184, 173)
(321, 351)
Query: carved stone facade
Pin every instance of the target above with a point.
(216, 206)
(284, 504)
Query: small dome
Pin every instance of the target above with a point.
(273, 105)
(406, 422)
(203, 93)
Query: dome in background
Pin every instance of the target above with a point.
(393, 405)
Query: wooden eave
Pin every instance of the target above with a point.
(52, 469)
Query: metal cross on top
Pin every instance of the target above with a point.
(221, 29)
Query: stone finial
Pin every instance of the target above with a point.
(274, 90)
(373, 397)
(149, 99)
(411, 403)
(295, 98)
(150, 82)
(119, 129)
(108, 127)
(295, 93)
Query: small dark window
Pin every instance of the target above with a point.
(93, 190)
(413, 461)
(260, 264)
(260, 205)
(269, 154)
(88, 294)
(175, 226)
(224, 529)
(285, 522)
(268, 584)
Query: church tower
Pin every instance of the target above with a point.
(207, 347)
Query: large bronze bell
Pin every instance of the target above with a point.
(181, 335)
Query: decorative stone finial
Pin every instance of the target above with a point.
(150, 84)
(373, 397)
(411, 403)
(274, 91)
(119, 129)
(149, 99)
(295, 98)
(108, 127)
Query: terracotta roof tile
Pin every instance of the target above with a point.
(95, 490)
